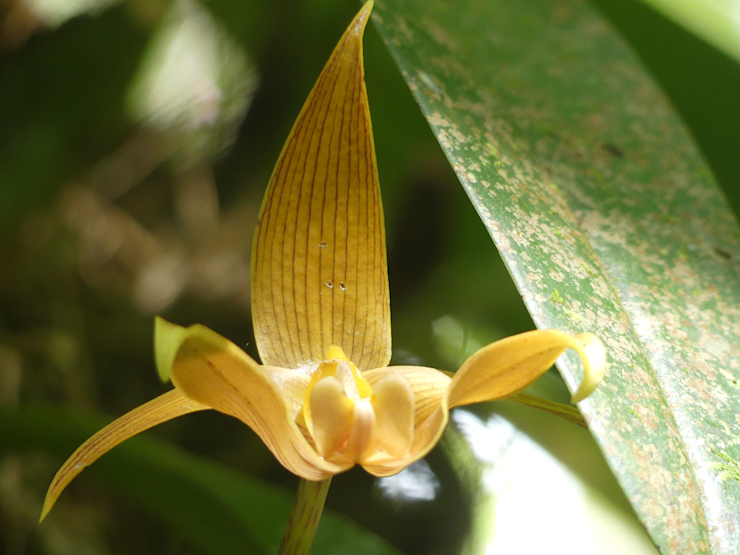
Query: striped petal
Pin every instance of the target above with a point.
(510, 365)
(212, 370)
(319, 274)
(165, 407)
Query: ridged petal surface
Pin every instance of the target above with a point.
(319, 274)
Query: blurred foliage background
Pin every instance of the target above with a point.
(136, 140)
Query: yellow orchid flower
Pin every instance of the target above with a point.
(325, 398)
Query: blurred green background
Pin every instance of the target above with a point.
(136, 141)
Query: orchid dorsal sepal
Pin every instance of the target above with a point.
(319, 264)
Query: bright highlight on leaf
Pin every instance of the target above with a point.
(325, 400)
(194, 85)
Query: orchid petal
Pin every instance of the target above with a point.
(165, 407)
(498, 370)
(431, 415)
(344, 374)
(510, 365)
(425, 439)
(292, 385)
(593, 357)
(393, 401)
(212, 370)
(319, 273)
(168, 338)
(361, 440)
(331, 415)
(429, 386)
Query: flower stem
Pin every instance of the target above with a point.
(304, 518)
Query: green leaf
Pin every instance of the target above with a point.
(217, 508)
(609, 222)
(702, 82)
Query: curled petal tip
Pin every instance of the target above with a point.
(167, 340)
(594, 365)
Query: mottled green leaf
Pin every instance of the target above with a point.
(217, 508)
(609, 221)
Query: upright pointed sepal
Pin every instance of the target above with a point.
(319, 274)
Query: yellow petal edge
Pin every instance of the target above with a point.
(167, 340)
